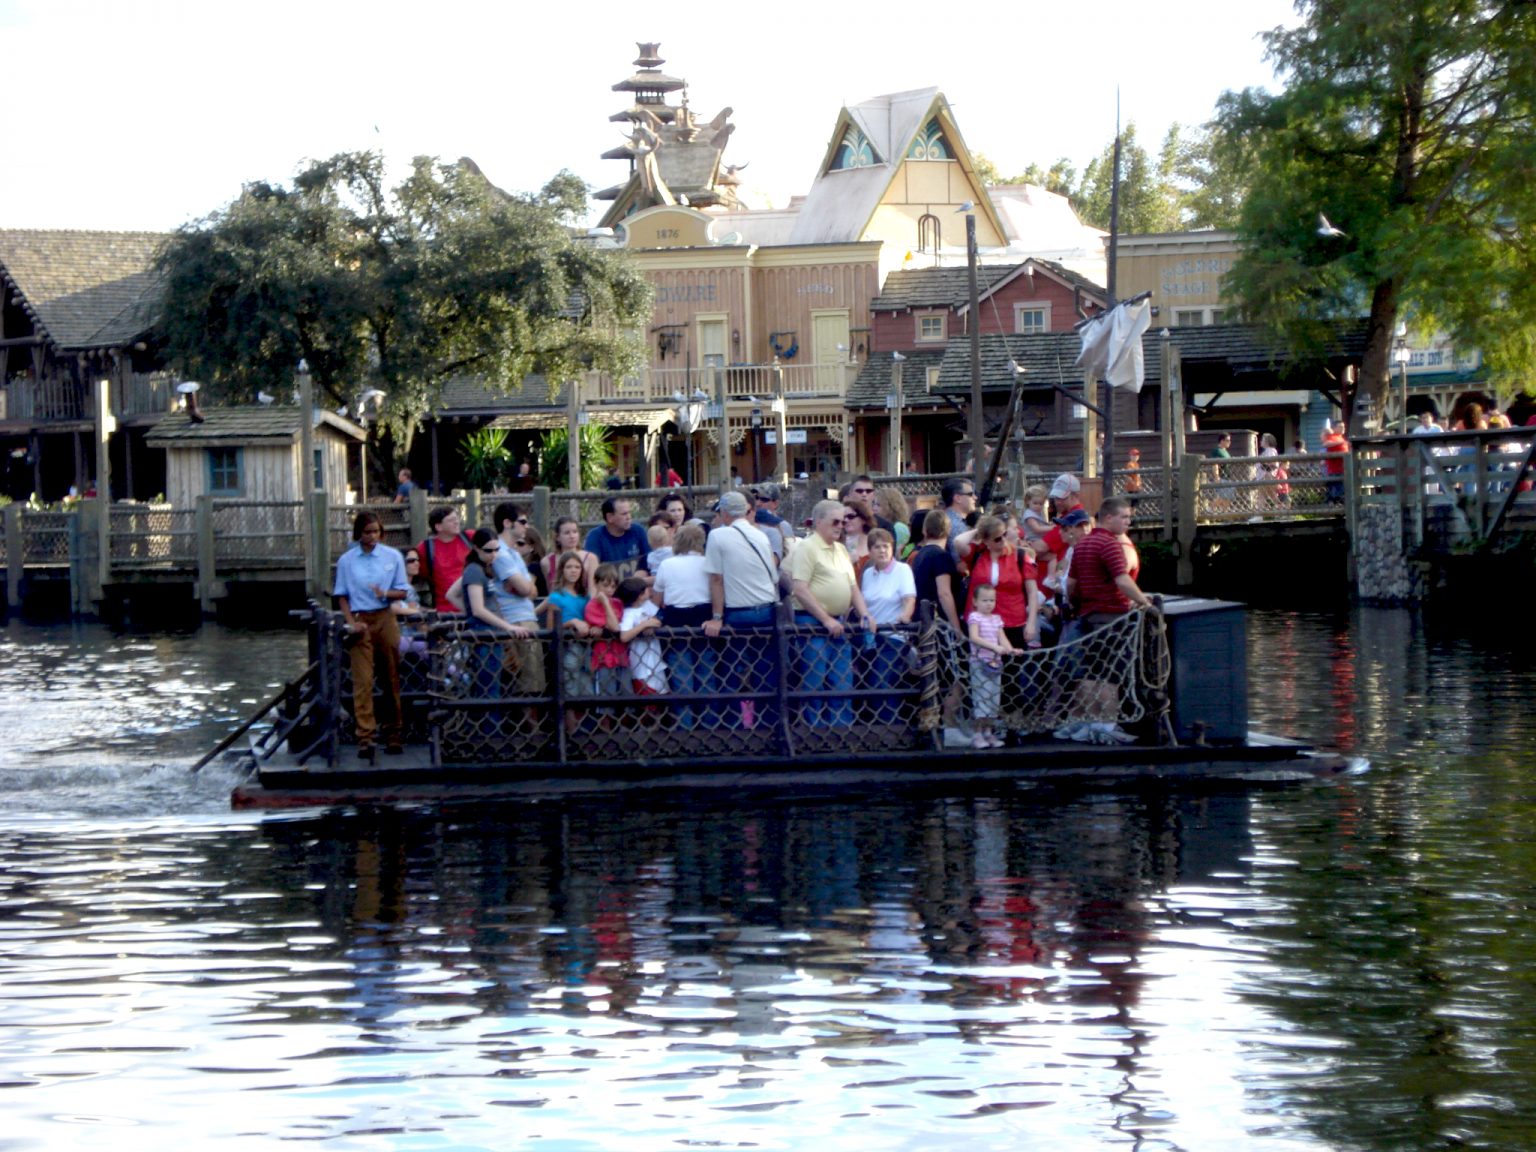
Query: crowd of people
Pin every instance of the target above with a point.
(1000, 585)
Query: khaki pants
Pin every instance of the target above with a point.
(524, 663)
(378, 643)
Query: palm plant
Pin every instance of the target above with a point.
(596, 455)
(486, 457)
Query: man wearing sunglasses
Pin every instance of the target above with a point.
(512, 592)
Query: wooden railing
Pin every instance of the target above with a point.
(1455, 489)
(661, 387)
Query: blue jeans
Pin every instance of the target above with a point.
(826, 666)
(751, 665)
(691, 667)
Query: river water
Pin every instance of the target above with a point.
(1340, 965)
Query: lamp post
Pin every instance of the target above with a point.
(369, 399)
(1403, 355)
(757, 437)
(690, 414)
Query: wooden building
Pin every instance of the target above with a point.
(251, 453)
(77, 308)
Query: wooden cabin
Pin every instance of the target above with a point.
(251, 453)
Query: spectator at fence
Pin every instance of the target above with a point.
(857, 522)
(370, 577)
(659, 537)
(989, 644)
(825, 590)
(1133, 474)
(406, 487)
(647, 670)
(935, 576)
(610, 655)
(1269, 469)
(1335, 445)
(565, 611)
(1221, 477)
(1035, 524)
(743, 591)
(531, 549)
(618, 540)
(775, 527)
(568, 540)
(682, 589)
(890, 507)
(1104, 591)
(1065, 494)
(959, 496)
(485, 625)
(512, 592)
(890, 593)
(413, 640)
(443, 554)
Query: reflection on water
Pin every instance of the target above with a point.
(1340, 966)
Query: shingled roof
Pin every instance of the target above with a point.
(950, 287)
(275, 422)
(83, 289)
(874, 381)
(473, 396)
(1048, 357)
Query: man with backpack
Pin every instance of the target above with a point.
(443, 554)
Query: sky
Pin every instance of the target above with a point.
(150, 114)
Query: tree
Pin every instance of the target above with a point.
(1409, 128)
(1208, 171)
(1148, 201)
(399, 289)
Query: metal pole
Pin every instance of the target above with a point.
(313, 575)
(781, 409)
(573, 436)
(725, 432)
(1108, 465)
(977, 423)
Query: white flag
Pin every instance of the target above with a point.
(1111, 348)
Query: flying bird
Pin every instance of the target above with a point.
(1324, 228)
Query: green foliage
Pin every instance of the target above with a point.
(398, 288)
(1148, 200)
(486, 457)
(596, 456)
(1410, 126)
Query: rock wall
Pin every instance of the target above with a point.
(1383, 572)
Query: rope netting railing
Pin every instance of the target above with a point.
(1080, 689)
(773, 693)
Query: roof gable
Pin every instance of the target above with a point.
(886, 132)
(84, 289)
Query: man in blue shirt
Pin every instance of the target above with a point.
(369, 576)
(512, 593)
(619, 541)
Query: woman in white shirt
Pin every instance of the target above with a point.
(682, 589)
(890, 595)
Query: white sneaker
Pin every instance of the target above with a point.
(980, 741)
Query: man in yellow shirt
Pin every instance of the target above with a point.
(825, 588)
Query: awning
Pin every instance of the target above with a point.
(648, 418)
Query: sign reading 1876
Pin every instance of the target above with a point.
(686, 294)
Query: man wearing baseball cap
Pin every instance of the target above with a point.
(766, 516)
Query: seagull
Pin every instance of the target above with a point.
(897, 356)
(265, 398)
(342, 411)
(1324, 228)
(1016, 368)
(968, 206)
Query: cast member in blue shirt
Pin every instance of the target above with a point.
(369, 576)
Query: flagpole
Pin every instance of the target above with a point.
(1106, 466)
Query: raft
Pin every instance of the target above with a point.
(1157, 697)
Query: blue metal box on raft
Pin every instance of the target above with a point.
(1151, 696)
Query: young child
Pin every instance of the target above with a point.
(565, 611)
(1033, 528)
(647, 672)
(610, 655)
(989, 644)
(659, 537)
